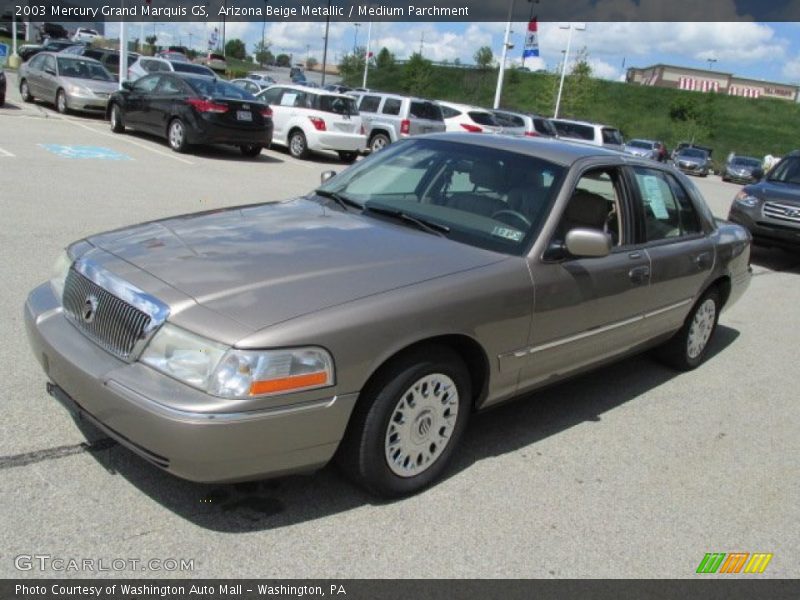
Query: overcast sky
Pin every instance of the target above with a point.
(759, 50)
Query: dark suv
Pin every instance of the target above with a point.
(770, 208)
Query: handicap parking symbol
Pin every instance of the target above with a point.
(90, 152)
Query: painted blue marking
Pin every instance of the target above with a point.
(96, 152)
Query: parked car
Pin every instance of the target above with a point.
(248, 84)
(173, 56)
(28, 51)
(514, 123)
(108, 58)
(52, 31)
(391, 117)
(369, 319)
(681, 145)
(339, 89)
(693, 160)
(3, 85)
(145, 65)
(644, 148)
(596, 134)
(85, 35)
(313, 120)
(296, 72)
(262, 79)
(189, 109)
(215, 62)
(463, 117)
(770, 208)
(69, 82)
(741, 168)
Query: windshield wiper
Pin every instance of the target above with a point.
(343, 201)
(423, 224)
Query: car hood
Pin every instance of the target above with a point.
(102, 87)
(690, 159)
(775, 191)
(264, 264)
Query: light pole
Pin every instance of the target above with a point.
(711, 61)
(506, 47)
(263, 31)
(325, 47)
(355, 37)
(570, 26)
(366, 55)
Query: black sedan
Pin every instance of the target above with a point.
(2, 86)
(191, 109)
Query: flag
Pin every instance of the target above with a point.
(531, 40)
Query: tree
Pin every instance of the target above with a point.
(417, 75)
(385, 59)
(236, 49)
(692, 118)
(351, 67)
(311, 63)
(283, 60)
(151, 41)
(262, 53)
(483, 57)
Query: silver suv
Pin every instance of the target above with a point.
(390, 117)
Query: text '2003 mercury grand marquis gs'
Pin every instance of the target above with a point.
(367, 320)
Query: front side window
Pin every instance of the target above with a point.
(786, 171)
(370, 104)
(146, 84)
(485, 197)
(392, 106)
(666, 208)
(83, 69)
(271, 96)
(595, 204)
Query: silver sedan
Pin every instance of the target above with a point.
(70, 82)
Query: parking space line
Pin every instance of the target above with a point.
(6, 153)
(117, 136)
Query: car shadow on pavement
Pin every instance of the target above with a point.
(775, 259)
(272, 504)
(9, 106)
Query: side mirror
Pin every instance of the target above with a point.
(50, 70)
(590, 243)
(326, 176)
(127, 85)
(758, 173)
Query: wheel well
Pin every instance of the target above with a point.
(723, 284)
(292, 130)
(375, 132)
(467, 348)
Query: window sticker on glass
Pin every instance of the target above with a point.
(654, 196)
(509, 234)
(288, 99)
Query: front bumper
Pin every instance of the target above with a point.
(135, 405)
(691, 169)
(764, 232)
(87, 103)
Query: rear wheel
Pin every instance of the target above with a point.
(251, 150)
(379, 141)
(298, 146)
(688, 348)
(176, 135)
(348, 157)
(117, 124)
(408, 423)
(61, 102)
(25, 91)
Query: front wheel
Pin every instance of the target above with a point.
(348, 157)
(117, 124)
(407, 423)
(61, 102)
(251, 150)
(688, 348)
(176, 135)
(25, 91)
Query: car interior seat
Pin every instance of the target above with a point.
(485, 198)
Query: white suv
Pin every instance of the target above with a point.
(463, 117)
(313, 120)
(589, 133)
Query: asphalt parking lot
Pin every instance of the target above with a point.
(630, 471)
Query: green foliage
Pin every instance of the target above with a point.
(580, 88)
(262, 53)
(385, 59)
(151, 41)
(283, 60)
(351, 67)
(483, 57)
(311, 63)
(418, 75)
(236, 49)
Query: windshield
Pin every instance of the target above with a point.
(787, 171)
(82, 69)
(692, 153)
(744, 161)
(640, 144)
(337, 105)
(489, 198)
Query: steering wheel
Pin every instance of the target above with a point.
(512, 215)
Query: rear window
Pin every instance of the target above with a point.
(337, 105)
(425, 110)
(612, 136)
(214, 88)
(482, 118)
(574, 130)
(370, 103)
(190, 68)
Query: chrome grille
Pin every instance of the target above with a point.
(782, 212)
(104, 318)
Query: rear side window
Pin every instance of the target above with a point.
(449, 113)
(482, 118)
(574, 130)
(507, 120)
(392, 106)
(426, 110)
(271, 95)
(370, 103)
(666, 207)
(544, 127)
(612, 136)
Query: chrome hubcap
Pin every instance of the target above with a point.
(378, 143)
(176, 134)
(700, 330)
(421, 425)
(62, 102)
(114, 116)
(297, 145)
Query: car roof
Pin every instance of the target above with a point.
(313, 90)
(70, 57)
(641, 140)
(587, 123)
(555, 150)
(462, 106)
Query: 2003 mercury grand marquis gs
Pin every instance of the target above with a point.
(367, 320)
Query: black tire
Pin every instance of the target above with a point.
(2, 100)
(378, 142)
(116, 120)
(61, 102)
(298, 145)
(25, 91)
(251, 150)
(348, 157)
(176, 135)
(678, 351)
(364, 454)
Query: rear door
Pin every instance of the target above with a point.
(34, 76)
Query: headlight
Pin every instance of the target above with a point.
(60, 270)
(746, 199)
(232, 373)
(79, 90)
